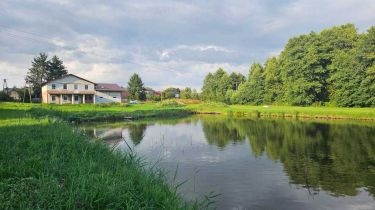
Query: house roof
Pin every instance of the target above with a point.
(68, 76)
(109, 87)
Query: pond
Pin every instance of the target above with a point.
(257, 163)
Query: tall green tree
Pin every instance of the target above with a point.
(215, 86)
(56, 68)
(136, 89)
(208, 92)
(170, 92)
(272, 81)
(37, 74)
(186, 93)
(252, 91)
(236, 79)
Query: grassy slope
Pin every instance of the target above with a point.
(46, 164)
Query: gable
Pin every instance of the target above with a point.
(71, 79)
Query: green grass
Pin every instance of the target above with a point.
(46, 164)
(286, 111)
(91, 112)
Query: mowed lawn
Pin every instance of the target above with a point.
(47, 164)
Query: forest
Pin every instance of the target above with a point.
(335, 67)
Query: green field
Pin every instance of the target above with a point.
(46, 164)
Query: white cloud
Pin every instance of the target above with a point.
(167, 42)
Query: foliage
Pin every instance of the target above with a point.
(170, 93)
(135, 88)
(252, 91)
(335, 66)
(37, 74)
(43, 70)
(55, 69)
(186, 93)
(216, 86)
(4, 97)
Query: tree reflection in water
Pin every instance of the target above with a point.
(338, 158)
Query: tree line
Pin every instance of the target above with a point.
(137, 91)
(333, 67)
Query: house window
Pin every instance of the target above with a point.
(53, 97)
(65, 86)
(75, 87)
(75, 98)
(86, 87)
(53, 86)
(65, 97)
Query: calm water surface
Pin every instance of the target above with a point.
(258, 163)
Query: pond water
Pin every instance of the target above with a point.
(257, 163)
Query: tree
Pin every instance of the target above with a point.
(346, 80)
(37, 74)
(251, 91)
(186, 93)
(135, 88)
(195, 94)
(170, 93)
(272, 81)
(236, 79)
(336, 65)
(208, 88)
(55, 69)
(215, 86)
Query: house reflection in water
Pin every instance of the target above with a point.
(114, 135)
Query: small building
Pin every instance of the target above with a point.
(14, 94)
(71, 89)
(108, 92)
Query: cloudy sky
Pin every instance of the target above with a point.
(169, 43)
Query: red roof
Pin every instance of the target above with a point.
(108, 87)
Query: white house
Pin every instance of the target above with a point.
(76, 90)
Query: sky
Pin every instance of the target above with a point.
(168, 43)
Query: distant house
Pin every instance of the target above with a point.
(13, 93)
(71, 89)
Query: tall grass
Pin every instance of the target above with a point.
(46, 164)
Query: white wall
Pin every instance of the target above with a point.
(70, 81)
(107, 97)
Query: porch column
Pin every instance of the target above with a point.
(72, 98)
(48, 96)
(93, 97)
(84, 98)
(61, 99)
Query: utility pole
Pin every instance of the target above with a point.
(5, 86)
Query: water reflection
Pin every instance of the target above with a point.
(137, 132)
(330, 161)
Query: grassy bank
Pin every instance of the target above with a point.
(286, 111)
(92, 112)
(46, 164)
